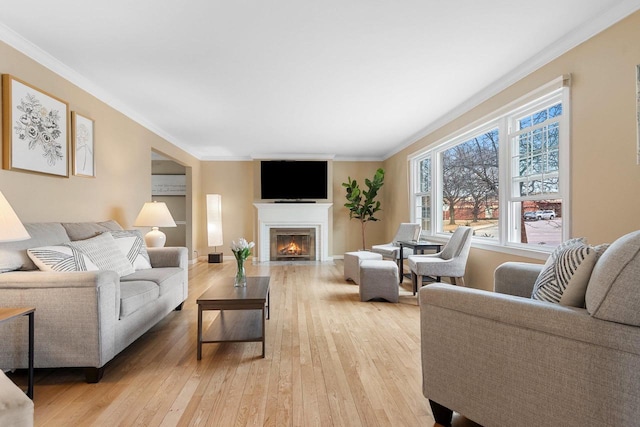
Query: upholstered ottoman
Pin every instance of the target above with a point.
(352, 264)
(16, 409)
(379, 279)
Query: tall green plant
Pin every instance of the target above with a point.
(361, 203)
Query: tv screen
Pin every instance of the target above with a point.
(285, 179)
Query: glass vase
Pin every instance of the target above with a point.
(240, 280)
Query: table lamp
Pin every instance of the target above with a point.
(154, 215)
(214, 226)
(11, 230)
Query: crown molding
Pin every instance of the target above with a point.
(543, 57)
(26, 47)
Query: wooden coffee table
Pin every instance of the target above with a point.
(243, 312)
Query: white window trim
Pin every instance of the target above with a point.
(499, 118)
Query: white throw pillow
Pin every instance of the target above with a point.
(97, 253)
(567, 270)
(60, 258)
(131, 244)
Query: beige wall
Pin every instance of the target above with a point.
(234, 181)
(123, 161)
(347, 234)
(604, 173)
(238, 183)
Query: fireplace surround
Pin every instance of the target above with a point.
(294, 216)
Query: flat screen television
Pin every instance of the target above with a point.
(293, 179)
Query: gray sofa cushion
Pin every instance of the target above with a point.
(135, 294)
(13, 255)
(86, 230)
(166, 278)
(613, 292)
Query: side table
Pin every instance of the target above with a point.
(7, 314)
(418, 246)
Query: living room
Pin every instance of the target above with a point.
(603, 172)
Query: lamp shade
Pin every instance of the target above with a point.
(154, 214)
(214, 219)
(11, 229)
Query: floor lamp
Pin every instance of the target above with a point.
(214, 226)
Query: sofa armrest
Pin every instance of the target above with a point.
(48, 279)
(498, 359)
(516, 278)
(168, 257)
(176, 256)
(75, 317)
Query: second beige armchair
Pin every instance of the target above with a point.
(450, 262)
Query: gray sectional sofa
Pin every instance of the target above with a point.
(84, 318)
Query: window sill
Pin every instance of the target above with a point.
(516, 250)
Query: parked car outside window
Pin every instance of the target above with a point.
(546, 214)
(530, 216)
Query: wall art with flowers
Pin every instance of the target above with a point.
(35, 129)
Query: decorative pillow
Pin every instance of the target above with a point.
(568, 267)
(97, 253)
(131, 244)
(60, 258)
(613, 293)
(574, 294)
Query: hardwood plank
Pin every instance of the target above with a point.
(331, 360)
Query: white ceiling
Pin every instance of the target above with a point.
(349, 79)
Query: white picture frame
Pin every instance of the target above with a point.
(84, 161)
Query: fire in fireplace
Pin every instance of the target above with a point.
(292, 244)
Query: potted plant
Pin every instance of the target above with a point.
(361, 203)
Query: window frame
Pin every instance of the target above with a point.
(503, 118)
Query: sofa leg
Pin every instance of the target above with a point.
(178, 308)
(441, 414)
(93, 375)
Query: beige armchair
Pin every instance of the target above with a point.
(407, 231)
(506, 360)
(450, 262)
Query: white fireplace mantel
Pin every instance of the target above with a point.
(293, 215)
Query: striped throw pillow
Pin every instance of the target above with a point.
(97, 253)
(131, 244)
(568, 268)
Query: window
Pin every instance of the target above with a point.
(536, 196)
(422, 212)
(506, 177)
(470, 185)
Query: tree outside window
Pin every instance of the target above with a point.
(470, 185)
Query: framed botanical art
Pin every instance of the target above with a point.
(84, 163)
(35, 129)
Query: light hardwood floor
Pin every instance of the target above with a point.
(331, 360)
